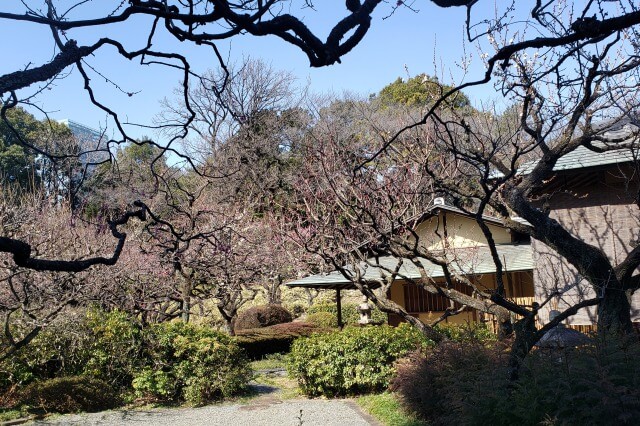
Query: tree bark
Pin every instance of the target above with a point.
(525, 338)
(186, 300)
(505, 326)
(614, 311)
(229, 320)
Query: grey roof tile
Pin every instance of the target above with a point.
(477, 260)
(582, 158)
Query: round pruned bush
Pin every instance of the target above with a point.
(70, 395)
(354, 361)
(262, 316)
(191, 363)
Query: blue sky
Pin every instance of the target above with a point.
(405, 41)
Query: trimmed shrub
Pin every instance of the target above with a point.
(323, 319)
(467, 384)
(70, 395)
(354, 361)
(169, 361)
(262, 316)
(349, 314)
(116, 344)
(59, 349)
(104, 345)
(191, 363)
(278, 338)
(470, 332)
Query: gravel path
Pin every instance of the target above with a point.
(266, 410)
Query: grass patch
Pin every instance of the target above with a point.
(8, 414)
(269, 362)
(288, 387)
(266, 373)
(386, 408)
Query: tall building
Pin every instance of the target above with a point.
(92, 144)
(86, 149)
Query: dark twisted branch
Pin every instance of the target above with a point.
(68, 56)
(21, 251)
(287, 27)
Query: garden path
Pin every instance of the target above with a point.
(268, 409)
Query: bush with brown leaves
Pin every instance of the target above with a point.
(262, 316)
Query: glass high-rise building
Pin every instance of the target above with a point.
(92, 144)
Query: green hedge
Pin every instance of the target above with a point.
(470, 332)
(98, 344)
(349, 311)
(354, 361)
(115, 349)
(169, 361)
(323, 319)
(191, 363)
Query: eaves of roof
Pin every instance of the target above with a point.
(464, 261)
(432, 211)
(583, 158)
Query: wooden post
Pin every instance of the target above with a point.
(339, 306)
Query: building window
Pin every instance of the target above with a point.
(417, 299)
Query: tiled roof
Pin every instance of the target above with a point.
(582, 158)
(466, 261)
